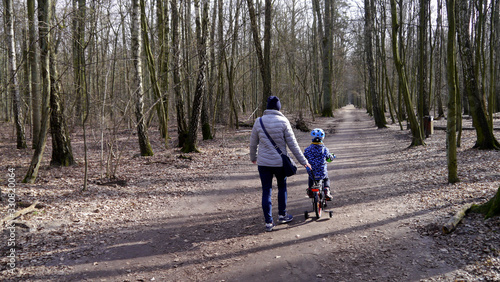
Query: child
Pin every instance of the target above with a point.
(318, 154)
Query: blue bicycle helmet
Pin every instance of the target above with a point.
(318, 133)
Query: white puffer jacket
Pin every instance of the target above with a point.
(279, 128)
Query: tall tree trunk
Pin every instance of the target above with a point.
(496, 16)
(494, 58)
(208, 107)
(160, 109)
(423, 81)
(417, 139)
(138, 92)
(378, 113)
(231, 68)
(221, 96)
(327, 41)
(62, 153)
(182, 129)
(264, 58)
(485, 137)
(13, 81)
(44, 16)
(163, 32)
(35, 81)
(201, 38)
(439, 61)
(451, 135)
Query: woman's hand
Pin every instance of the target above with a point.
(307, 166)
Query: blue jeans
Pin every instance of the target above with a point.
(266, 174)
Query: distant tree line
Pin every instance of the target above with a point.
(196, 64)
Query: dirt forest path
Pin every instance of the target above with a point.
(217, 234)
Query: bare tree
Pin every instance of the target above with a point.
(231, 68)
(485, 137)
(163, 58)
(34, 77)
(378, 113)
(415, 130)
(13, 81)
(182, 129)
(160, 107)
(201, 38)
(138, 91)
(263, 57)
(44, 17)
(451, 137)
(423, 81)
(62, 153)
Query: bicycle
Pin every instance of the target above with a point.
(317, 195)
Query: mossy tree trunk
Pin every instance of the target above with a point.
(201, 36)
(490, 208)
(163, 60)
(377, 108)
(485, 137)
(326, 60)
(44, 16)
(417, 138)
(160, 109)
(34, 77)
(451, 127)
(62, 153)
(182, 129)
(136, 46)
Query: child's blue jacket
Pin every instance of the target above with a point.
(317, 154)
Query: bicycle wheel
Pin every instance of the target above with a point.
(317, 205)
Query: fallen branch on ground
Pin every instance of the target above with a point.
(449, 226)
(19, 213)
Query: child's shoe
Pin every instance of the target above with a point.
(269, 227)
(328, 195)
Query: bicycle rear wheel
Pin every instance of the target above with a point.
(317, 205)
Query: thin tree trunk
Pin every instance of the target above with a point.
(13, 81)
(160, 110)
(221, 96)
(138, 92)
(485, 137)
(439, 41)
(262, 56)
(378, 113)
(182, 129)
(208, 107)
(417, 139)
(451, 137)
(231, 68)
(201, 36)
(44, 16)
(423, 83)
(35, 81)
(163, 32)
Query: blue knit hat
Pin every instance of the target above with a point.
(273, 103)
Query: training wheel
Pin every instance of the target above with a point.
(306, 215)
(331, 214)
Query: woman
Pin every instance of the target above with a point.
(268, 159)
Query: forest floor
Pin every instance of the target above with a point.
(198, 217)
